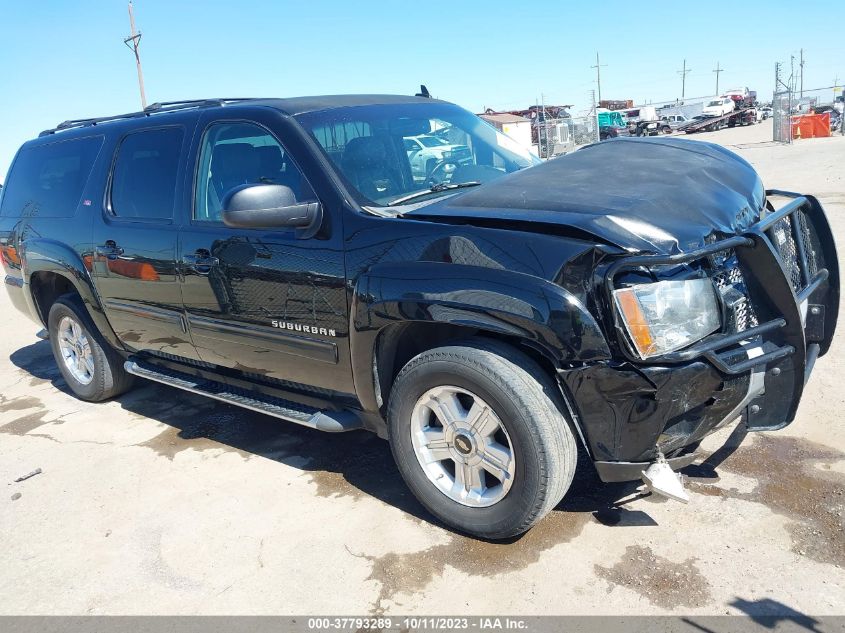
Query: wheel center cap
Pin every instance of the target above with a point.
(463, 444)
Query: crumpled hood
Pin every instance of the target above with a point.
(658, 194)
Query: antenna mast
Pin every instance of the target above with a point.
(132, 42)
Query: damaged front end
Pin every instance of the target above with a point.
(777, 286)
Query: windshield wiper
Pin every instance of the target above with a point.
(443, 186)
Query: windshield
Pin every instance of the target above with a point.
(714, 103)
(377, 149)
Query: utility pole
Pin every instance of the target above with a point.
(598, 68)
(718, 71)
(132, 42)
(792, 72)
(683, 74)
(778, 80)
(801, 71)
(545, 125)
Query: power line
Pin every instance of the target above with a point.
(718, 71)
(135, 39)
(598, 68)
(683, 73)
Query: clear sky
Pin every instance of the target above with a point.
(64, 59)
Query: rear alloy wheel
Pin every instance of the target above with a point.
(477, 432)
(91, 368)
(75, 350)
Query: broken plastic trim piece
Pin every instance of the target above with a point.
(660, 479)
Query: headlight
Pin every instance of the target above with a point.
(665, 316)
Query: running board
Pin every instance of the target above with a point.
(328, 421)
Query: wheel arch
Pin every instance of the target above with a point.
(52, 269)
(401, 310)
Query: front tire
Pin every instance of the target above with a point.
(90, 367)
(477, 432)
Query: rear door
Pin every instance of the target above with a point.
(266, 302)
(134, 260)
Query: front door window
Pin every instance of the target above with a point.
(235, 154)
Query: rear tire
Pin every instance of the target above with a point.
(91, 368)
(495, 475)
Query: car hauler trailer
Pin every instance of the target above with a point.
(745, 116)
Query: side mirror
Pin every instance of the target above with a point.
(270, 206)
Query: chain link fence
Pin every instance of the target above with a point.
(826, 102)
(789, 104)
(781, 116)
(564, 134)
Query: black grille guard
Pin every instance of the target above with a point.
(760, 258)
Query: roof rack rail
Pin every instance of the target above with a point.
(153, 108)
(191, 103)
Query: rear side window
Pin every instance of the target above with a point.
(47, 180)
(144, 176)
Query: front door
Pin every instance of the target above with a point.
(265, 302)
(134, 260)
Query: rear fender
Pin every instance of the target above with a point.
(49, 256)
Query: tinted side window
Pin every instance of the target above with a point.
(144, 177)
(235, 154)
(47, 180)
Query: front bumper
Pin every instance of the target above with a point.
(631, 410)
(610, 472)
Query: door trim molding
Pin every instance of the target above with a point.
(270, 338)
(144, 311)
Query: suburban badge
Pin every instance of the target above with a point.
(298, 327)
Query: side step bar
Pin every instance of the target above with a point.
(329, 421)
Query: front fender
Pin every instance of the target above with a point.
(42, 255)
(539, 313)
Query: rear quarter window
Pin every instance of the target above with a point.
(48, 180)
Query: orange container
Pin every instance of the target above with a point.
(811, 125)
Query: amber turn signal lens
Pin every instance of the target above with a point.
(635, 319)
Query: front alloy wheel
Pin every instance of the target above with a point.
(479, 436)
(462, 446)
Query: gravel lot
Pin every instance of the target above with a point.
(167, 503)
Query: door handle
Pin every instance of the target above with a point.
(200, 262)
(110, 250)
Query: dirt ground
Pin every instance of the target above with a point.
(166, 503)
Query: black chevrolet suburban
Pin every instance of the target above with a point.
(484, 311)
